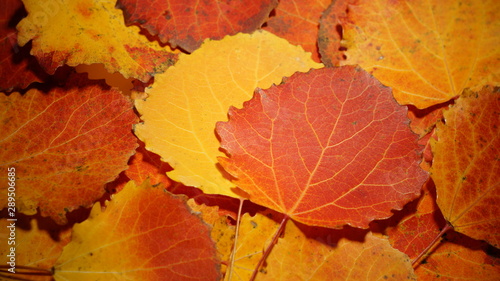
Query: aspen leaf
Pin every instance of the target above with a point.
(34, 247)
(329, 147)
(297, 21)
(306, 256)
(87, 32)
(426, 51)
(187, 100)
(144, 234)
(18, 68)
(64, 145)
(187, 23)
(466, 165)
(455, 257)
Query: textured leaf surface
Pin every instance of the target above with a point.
(455, 257)
(17, 67)
(145, 165)
(144, 234)
(466, 167)
(35, 246)
(87, 32)
(426, 51)
(297, 21)
(187, 23)
(327, 148)
(185, 102)
(65, 145)
(371, 259)
(307, 254)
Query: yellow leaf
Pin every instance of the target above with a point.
(187, 100)
(426, 51)
(86, 32)
(301, 255)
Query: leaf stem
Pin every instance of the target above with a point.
(443, 231)
(270, 246)
(27, 270)
(238, 220)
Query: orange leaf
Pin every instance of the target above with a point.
(187, 23)
(327, 148)
(456, 257)
(466, 167)
(426, 51)
(37, 244)
(64, 145)
(89, 32)
(297, 21)
(312, 253)
(144, 234)
(147, 165)
(18, 69)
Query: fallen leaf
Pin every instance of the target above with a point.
(18, 68)
(314, 255)
(456, 257)
(64, 145)
(144, 234)
(187, 100)
(145, 165)
(88, 32)
(329, 147)
(35, 246)
(330, 33)
(466, 165)
(186, 24)
(297, 21)
(426, 51)
(459, 257)
(423, 121)
(412, 229)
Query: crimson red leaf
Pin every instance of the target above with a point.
(328, 148)
(187, 23)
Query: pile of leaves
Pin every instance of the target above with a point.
(251, 140)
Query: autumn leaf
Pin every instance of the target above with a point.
(144, 234)
(34, 247)
(87, 32)
(456, 257)
(64, 145)
(312, 257)
(427, 52)
(330, 33)
(187, 100)
(423, 121)
(327, 148)
(187, 23)
(145, 165)
(297, 21)
(459, 257)
(18, 68)
(466, 165)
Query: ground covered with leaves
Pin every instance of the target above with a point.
(250, 140)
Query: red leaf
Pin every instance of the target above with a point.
(187, 23)
(64, 145)
(328, 148)
(18, 67)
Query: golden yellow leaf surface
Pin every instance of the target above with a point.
(145, 233)
(86, 32)
(300, 255)
(187, 100)
(426, 51)
(466, 165)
